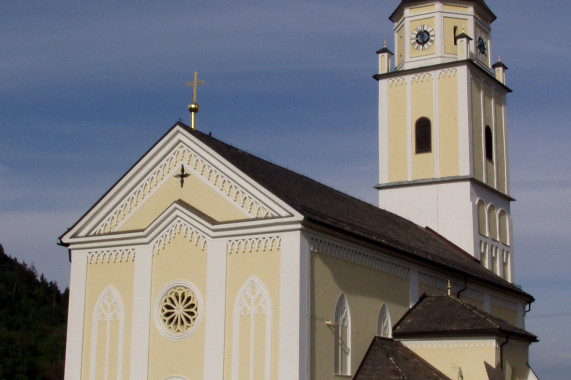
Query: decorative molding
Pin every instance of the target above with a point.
(111, 256)
(358, 257)
(438, 282)
(422, 77)
(447, 344)
(251, 245)
(179, 227)
(474, 294)
(503, 303)
(165, 170)
(447, 73)
(400, 81)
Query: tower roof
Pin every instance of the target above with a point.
(478, 3)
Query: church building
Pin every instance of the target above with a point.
(206, 262)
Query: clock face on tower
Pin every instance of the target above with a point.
(482, 45)
(422, 37)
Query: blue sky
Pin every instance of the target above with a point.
(87, 88)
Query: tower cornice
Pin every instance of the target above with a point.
(440, 66)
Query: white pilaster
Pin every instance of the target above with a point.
(487, 302)
(383, 132)
(141, 317)
(76, 315)
(293, 320)
(215, 306)
(435, 132)
(409, 128)
(464, 121)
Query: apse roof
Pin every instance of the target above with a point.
(333, 209)
(445, 316)
(391, 360)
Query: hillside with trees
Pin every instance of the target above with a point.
(33, 317)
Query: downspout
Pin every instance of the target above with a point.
(463, 289)
(502, 350)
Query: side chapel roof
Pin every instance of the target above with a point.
(391, 360)
(446, 316)
(333, 209)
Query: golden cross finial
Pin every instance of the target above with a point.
(193, 107)
(194, 84)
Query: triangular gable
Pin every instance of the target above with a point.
(151, 186)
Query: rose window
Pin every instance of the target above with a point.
(178, 310)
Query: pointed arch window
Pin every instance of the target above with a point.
(342, 337)
(384, 327)
(489, 143)
(252, 327)
(423, 136)
(107, 329)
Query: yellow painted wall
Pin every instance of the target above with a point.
(516, 357)
(449, 355)
(99, 277)
(400, 46)
(448, 125)
(449, 24)
(397, 132)
(418, 10)
(479, 304)
(454, 8)
(423, 106)
(414, 53)
(477, 132)
(500, 143)
(508, 315)
(365, 290)
(241, 266)
(179, 260)
(195, 192)
(430, 290)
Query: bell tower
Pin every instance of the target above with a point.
(442, 128)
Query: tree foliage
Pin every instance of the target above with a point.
(33, 316)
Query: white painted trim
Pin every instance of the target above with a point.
(215, 317)
(141, 317)
(435, 79)
(76, 315)
(290, 307)
(383, 132)
(409, 127)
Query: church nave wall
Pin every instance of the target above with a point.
(365, 290)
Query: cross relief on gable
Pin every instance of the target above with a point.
(169, 167)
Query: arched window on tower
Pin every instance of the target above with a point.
(489, 143)
(342, 337)
(504, 228)
(423, 136)
(482, 218)
(384, 328)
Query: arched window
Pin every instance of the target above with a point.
(482, 218)
(504, 238)
(342, 337)
(384, 328)
(252, 332)
(489, 144)
(107, 327)
(423, 136)
(492, 222)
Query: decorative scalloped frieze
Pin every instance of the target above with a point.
(446, 344)
(252, 245)
(122, 255)
(447, 73)
(421, 77)
(438, 282)
(474, 294)
(166, 169)
(358, 257)
(397, 81)
(504, 303)
(179, 227)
